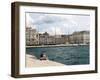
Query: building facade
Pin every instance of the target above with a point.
(82, 37)
(31, 36)
(35, 38)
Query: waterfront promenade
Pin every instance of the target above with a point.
(32, 61)
(60, 45)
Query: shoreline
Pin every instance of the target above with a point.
(61, 45)
(32, 61)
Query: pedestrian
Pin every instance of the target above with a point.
(43, 56)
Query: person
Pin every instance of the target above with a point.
(43, 56)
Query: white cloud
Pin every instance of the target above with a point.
(64, 24)
(28, 20)
(55, 30)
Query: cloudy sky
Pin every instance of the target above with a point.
(57, 23)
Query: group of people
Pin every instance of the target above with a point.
(43, 56)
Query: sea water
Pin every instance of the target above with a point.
(69, 55)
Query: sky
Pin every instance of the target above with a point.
(59, 24)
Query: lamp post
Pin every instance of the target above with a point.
(38, 35)
(55, 34)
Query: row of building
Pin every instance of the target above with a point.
(34, 38)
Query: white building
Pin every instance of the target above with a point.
(31, 36)
(81, 37)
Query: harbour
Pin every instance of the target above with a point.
(67, 55)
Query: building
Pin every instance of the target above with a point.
(31, 36)
(35, 38)
(81, 37)
(45, 39)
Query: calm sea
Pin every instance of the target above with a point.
(73, 55)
